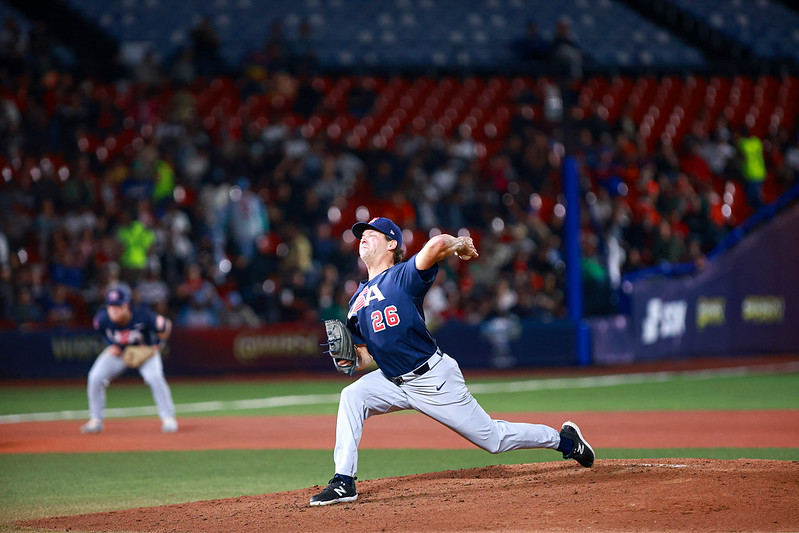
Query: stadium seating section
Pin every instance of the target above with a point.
(399, 33)
(769, 28)
(443, 97)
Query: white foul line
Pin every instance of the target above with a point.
(477, 388)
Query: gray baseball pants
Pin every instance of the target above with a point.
(108, 366)
(441, 394)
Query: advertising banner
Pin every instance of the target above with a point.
(58, 352)
(280, 348)
(289, 346)
(743, 302)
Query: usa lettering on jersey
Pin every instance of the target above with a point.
(123, 337)
(367, 296)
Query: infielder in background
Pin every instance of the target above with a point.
(387, 325)
(133, 336)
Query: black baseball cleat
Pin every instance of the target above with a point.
(582, 452)
(337, 491)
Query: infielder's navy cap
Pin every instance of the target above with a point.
(117, 296)
(384, 225)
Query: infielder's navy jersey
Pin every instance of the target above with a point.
(143, 327)
(386, 314)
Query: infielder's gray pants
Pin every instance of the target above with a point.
(453, 405)
(108, 366)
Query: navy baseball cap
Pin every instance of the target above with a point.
(384, 225)
(117, 296)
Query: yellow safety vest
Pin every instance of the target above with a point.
(754, 166)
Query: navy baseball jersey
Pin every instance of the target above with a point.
(142, 328)
(386, 314)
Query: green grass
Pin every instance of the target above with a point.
(38, 485)
(768, 391)
(680, 393)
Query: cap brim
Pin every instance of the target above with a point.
(360, 227)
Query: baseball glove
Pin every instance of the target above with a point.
(134, 356)
(340, 347)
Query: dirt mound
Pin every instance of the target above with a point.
(614, 495)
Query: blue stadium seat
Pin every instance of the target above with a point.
(768, 28)
(478, 32)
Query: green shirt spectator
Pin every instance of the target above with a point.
(164, 181)
(754, 165)
(753, 168)
(137, 240)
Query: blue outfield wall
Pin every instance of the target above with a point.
(281, 348)
(744, 301)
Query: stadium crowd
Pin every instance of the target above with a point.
(243, 222)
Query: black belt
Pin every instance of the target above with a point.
(419, 371)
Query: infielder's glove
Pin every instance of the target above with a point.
(133, 356)
(340, 347)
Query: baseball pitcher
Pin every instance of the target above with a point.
(385, 324)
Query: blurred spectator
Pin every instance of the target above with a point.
(333, 302)
(152, 290)
(136, 240)
(202, 309)
(667, 247)
(246, 218)
(361, 98)
(566, 53)
(278, 48)
(305, 57)
(694, 164)
(400, 210)
(753, 167)
(237, 314)
(13, 45)
(148, 71)
(59, 310)
(308, 97)
(63, 268)
(173, 244)
(505, 297)
(549, 301)
(44, 225)
(184, 71)
(193, 281)
(164, 177)
(596, 283)
(532, 48)
(717, 152)
(299, 252)
(26, 310)
(206, 43)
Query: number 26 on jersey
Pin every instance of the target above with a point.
(388, 317)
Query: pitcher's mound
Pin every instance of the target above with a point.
(614, 495)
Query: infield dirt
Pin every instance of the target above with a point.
(614, 495)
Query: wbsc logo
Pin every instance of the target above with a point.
(664, 320)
